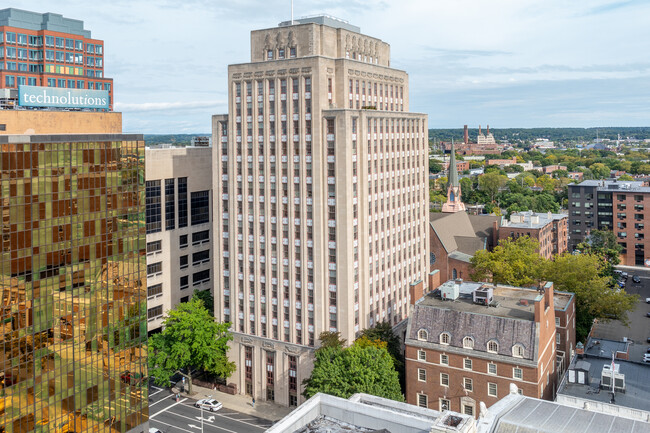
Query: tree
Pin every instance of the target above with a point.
(626, 177)
(514, 261)
(434, 166)
(366, 367)
(491, 182)
(383, 331)
(191, 341)
(331, 339)
(604, 244)
(599, 170)
(206, 297)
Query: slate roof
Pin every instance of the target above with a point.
(506, 331)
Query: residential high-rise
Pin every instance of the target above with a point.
(179, 226)
(51, 51)
(321, 184)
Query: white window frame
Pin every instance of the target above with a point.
(468, 381)
(490, 364)
(468, 343)
(422, 355)
(423, 335)
(467, 364)
(423, 398)
(444, 377)
(444, 404)
(490, 386)
(514, 373)
(558, 338)
(422, 375)
(557, 322)
(444, 359)
(490, 343)
(445, 338)
(518, 351)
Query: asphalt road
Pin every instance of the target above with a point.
(170, 416)
(639, 325)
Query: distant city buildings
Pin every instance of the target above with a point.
(179, 227)
(619, 206)
(320, 182)
(485, 144)
(51, 51)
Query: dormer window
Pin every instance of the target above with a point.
(423, 335)
(518, 351)
(492, 346)
(445, 338)
(468, 343)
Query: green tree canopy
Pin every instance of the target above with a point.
(191, 341)
(206, 297)
(366, 367)
(604, 244)
(491, 182)
(435, 166)
(383, 331)
(599, 170)
(514, 262)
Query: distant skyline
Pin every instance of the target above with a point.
(506, 63)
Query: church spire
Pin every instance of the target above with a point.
(454, 203)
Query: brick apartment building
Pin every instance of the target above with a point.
(549, 229)
(565, 329)
(51, 51)
(612, 205)
(460, 352)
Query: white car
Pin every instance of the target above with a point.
(646, 357)
(209, 404)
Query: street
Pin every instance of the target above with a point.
(168, 415)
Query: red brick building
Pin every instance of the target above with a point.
(51, 51)
(550, 230)
(460, 353)
(565, 329)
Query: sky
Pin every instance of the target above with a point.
(506, 63)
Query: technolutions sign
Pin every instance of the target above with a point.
(36, 96)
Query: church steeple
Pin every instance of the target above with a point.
(454, 203)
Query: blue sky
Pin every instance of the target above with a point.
(507, 63)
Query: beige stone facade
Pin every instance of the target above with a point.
(29, 122)
(178, 252)
(320, 182)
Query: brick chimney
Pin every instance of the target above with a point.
(465, 135)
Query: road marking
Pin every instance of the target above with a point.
(235, 419)
(170, 425)
(167, 408)
(159, 401)
(206, 425)
(159, 390)
(195, 426)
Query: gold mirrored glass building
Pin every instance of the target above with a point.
(72, 282)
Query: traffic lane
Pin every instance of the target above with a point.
(186, 417)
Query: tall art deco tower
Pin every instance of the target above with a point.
(321, 184)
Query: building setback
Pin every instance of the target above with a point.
(72, 277)
(51, 51)
(460, 352)
(320, 174)
(619, 206)
(179, 227)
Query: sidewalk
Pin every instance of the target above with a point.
(240, 403)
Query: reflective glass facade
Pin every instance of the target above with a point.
(72, 284)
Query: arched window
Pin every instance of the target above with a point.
(518, 351)
(445, 338)
(492, 346)
(468, 343)
(423, 335)
(454, 274)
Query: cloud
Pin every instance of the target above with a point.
(165, 106)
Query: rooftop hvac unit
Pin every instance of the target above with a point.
(450, 291)
(483, 296)
(606, 378)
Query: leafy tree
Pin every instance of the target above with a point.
(491, 182)
(331, 339)
(191, 341)
(366, 367)
(434, 166)
(604, 244)
(206, 297)
(514, 261)
(626, 177)
(599, 170)
(383, 331)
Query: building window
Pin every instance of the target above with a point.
(558, 338)
(181, 185)
(518, 351)
(467, 365)
(422, 355)
(293, 380)
(200, 277)
(423, 335)
(200, 257)
(185, 282)
(468, 343)
(445, 404)
(468, 384)
(492, 368)
(200, 207)
(557, 322)
(422, 375)
(444, 359)
(154, 247)
(184, 261)
(423, 400)
(154, 290)
(492, 346)
(445, 338)
(182, 241)
(200, 237)
(154, 269)
(454, 274)
(468, 409)
(492, 389)
(517, 373)
(170, 217)
(248, 369)
(444, 379)
(155, 312)
(152, 206)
